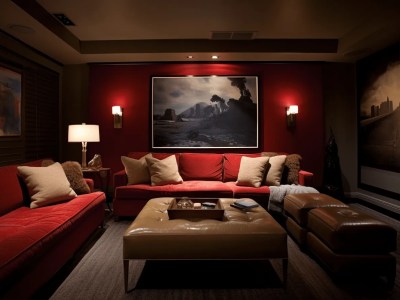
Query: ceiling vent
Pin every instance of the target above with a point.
(64, 19)
(232, 35)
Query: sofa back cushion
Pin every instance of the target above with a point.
(232, 164)
(11, 194)
(201, 166)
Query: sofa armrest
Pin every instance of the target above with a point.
(120, 178)
(90, 183)
(306, 178)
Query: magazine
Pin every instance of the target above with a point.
(245, 203)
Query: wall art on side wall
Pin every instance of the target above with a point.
(10, 102)
(205, 112)
(379, 122)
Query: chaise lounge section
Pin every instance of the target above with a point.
(36, 242)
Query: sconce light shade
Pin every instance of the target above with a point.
(83, 133)
(291, 113)
(117, 113)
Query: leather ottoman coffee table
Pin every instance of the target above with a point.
(253, 234)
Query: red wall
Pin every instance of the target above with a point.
(280, 85)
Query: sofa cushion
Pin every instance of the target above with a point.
(252, 171)
(142, 191)
(46, 185)
(136, 170)
(260, 194)
(275, 170)
(11, 195)
(232, 165)
(201, 189)
(164, 171)
(201, 166)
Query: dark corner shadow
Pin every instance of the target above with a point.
(54, 283)
(208, 274)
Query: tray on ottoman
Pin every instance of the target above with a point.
(215, 213)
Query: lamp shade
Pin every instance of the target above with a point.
(292, 110)
(83, 133)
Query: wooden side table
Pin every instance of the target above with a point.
(101, 178)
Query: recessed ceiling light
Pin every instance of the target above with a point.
(189, 56)
(64, 19)
(214, 57)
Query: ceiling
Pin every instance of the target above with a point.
(159, 30)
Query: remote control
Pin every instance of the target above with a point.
(209, 204)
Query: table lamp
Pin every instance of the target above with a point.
(83, 133)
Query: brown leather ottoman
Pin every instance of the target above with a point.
(347, 241)
(296, 208)
(253, 234)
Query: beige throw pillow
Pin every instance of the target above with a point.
(275, 170)
(163, 171)
(46, 185)
(252, 171)
(136, 169)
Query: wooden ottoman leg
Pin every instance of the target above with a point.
(126, 274)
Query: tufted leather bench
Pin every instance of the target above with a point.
(346, 240)
(296, 208)
(253, 234)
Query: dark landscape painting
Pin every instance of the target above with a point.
(379, 121)
(205, 112)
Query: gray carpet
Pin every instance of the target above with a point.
(99, 275)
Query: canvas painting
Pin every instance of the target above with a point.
(379, 122)
(205, 112)
(10, 102)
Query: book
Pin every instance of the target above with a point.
(246, 203)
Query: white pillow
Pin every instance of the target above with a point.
(252, 171)
(46, 185)
(136, 169)
(275, 170)
(163, 171)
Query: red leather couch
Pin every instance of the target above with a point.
(36, 243)
(205, 175)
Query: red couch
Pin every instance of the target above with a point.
(36, 243)
(205, 175)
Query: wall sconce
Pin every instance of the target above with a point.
(117, 113)
(291, 113)
(83, 133)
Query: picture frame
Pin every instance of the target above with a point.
(10, 102)
(205, 112)
(378, 122)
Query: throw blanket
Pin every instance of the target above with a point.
(278, 193)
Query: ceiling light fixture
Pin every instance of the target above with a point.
(214, 57)
(189, 56)
(21, 28)
(64, 19)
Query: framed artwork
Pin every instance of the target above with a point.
(10, 102)
(195, 112)
(379, 123)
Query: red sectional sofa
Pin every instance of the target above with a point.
(205, 175)
(36, 243)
